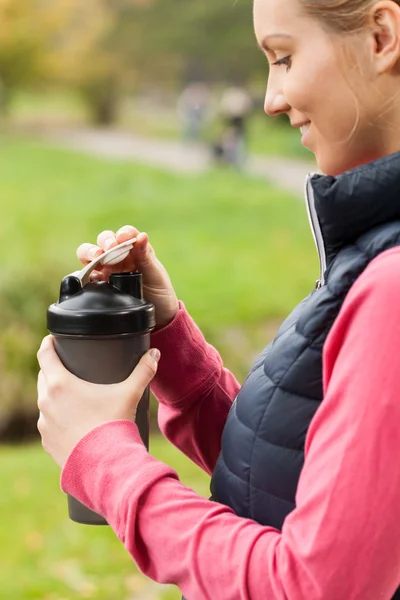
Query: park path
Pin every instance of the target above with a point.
(175, 156)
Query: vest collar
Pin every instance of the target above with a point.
(343, 208)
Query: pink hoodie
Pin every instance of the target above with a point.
(342, 542)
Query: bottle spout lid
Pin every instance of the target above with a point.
(75, 281)
(114, 307)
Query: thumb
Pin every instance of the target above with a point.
(144, 371)
(48, 360)
(145, 256)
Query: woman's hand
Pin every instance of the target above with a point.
(70, 407)
(157, 286)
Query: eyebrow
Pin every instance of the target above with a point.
(265, 40)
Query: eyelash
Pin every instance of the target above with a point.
(284, 61)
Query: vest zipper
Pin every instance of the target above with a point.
(316, 231)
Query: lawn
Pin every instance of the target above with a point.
(240, 254)
(44, 556)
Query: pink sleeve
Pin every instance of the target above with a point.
(343, 539)
(194, 390)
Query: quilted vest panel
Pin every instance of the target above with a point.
(263, 441)
(355, 217)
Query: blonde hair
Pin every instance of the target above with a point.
(340, 16)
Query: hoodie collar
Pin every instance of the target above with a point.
(355, 201)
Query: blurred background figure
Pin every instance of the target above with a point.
(235, 109)
(193, 110)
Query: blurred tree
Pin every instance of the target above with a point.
(44, 41)
(20, 46)
(79, 54)
(99, 54)
(191, 40)
(104, 48)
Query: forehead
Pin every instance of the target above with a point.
(278, 16)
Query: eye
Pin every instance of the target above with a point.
(287, 60)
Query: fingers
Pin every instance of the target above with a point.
(87, 252)
(142, 240)
(125, 233)
(42, 393)
(145, 256)
(51, 367)
(144, 372)
(106, 240)
(41, 384)
(99, 275)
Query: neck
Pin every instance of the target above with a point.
(387, 126)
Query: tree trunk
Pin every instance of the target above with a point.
(102, 98)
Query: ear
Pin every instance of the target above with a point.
(385, 28)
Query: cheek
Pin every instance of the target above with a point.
(305, 86)
(322, 94)
(314, 79)
(338, 118)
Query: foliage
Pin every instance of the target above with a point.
(176, 40)
(40, 39)
(22, 324)
(105, 48)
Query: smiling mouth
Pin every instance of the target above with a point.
(305, 128)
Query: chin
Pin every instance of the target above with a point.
(331, 167)
(335, 165)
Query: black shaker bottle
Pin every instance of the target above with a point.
(101, 331)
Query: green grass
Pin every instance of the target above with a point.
(269, 135)
(44, 556)
(30, 105)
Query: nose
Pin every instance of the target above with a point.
(275, 102)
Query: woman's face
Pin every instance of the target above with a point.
(313, 82)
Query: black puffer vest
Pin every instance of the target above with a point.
(354, 217)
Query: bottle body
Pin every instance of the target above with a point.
(104, 359)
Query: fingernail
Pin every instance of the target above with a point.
(109, 242)
(93, 253)
(125, 229)
(141, 237)
(155, 353)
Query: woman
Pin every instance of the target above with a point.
(305, 467)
